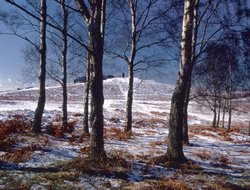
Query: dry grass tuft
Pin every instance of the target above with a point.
(7, 128)
(116, 133)
(164, 114)
(164, 184)
(171, 184)
(20, 155)
(220, 159)
(225, 136)
(154, 144)
(223, 160)
(114, 166)
(150, 122)
(121, 154)
(85, 149)
(204, 154)
(219, 185)
(69, 126)
(58, 129)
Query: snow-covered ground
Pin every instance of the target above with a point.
(219, 159)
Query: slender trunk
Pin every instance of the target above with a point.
(219, 110)
(175, 136)
(64, 64)
(185, 116)
(193, 60)
(36, 126)
(229, 115)
(249, 128)
(65, 102)
(215, 116)
(86, 102)
(91, 99)
(230, 95)
(128, 126)
(223, 116)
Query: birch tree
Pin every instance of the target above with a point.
(211, 19)
(140, 21)
(94, 17)
(36, 126)
(175, 144)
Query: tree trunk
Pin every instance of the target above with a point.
(175, 136)
(224, 113)
(219, 110)
(96, 45)
(128, 126)
(94, 17)
(64, 64)
(36, 126)
(215, 116)
(230, 95)
(96, 89)
(86, 101)
(193, 60)
(65, 103)
(229, 115)
(185, 116)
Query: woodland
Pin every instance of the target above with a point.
(121, 128)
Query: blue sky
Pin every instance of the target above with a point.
(11, 61)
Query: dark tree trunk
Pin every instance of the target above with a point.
(128, 126)
(230, 96)
(193, 60)
(36, 126)
(185, 115)
(224, 112)
(95, 20)
(65, 103)
(215, 116)
(229, 117)
(86, 101)
(96, 89)
(175, 146)
(219, 110)
(64, 64)
(175, 136)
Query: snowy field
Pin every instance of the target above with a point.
(218, 159)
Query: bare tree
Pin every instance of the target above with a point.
(175, 146)
(86, 99)
(219, 77)
(61, 42)
(36, 127)
(139, 19)
(94, 17)
(209, 24)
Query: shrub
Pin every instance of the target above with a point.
(12, 126)
(116, 133)
(19, 155)
(57, 129)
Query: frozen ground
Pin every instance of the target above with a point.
(218, 159)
